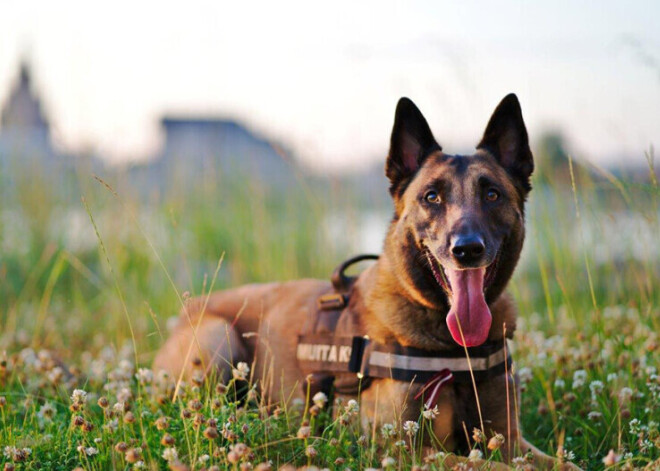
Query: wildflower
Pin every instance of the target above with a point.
(210, 433)
(311, 451)
(17, 454)
(170, 454)
(133, 455)
(387, 430)
(167, 440)
(478, 436)
(162, 423)
(560, 383)
(103, 402)
(430, 414)
(352, 407)
(410, 427)
(475, 455)
(611, 377)
(203, 459)
(241, 371)
(596, 388)
(144, 376)
(265, 466)
(496, 442)
(388, 462)
(400, 443)
(79, 396)
(55, 375)
(304, 432)
(564, 455)
(320, 399)
(124, 395)
(89, 451)
(625, 394)
(129, 418)
(241, 448)
(46, 412)
(121, 447)
(3, 401)
(579, 378)
(111, 426)
(525, 375)
(594, 415)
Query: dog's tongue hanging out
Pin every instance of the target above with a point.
(468, 307)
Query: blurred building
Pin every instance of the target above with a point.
(24, 128)
(199, 150)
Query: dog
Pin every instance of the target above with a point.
(451, 248)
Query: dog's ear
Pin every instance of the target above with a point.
(506, 138)
(411, 142)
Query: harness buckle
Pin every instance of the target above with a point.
(331, 302)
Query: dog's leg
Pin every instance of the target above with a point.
(206, 345)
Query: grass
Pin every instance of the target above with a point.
(587, 348)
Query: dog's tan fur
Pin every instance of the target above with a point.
(396, 299)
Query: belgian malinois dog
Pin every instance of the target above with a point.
(451, 247)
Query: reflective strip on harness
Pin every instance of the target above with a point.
(327, 353)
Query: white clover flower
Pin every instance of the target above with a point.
(594, 415)
(170, 454)
(525, 375)
(79, 396)
(611, 377)
(410, 427)
(387, 430)
(320, 399)
(241, 371)
(560, 383)
(387, 462)
(9, 451)
(87, 451)
(203, 459)
(611, 458)
(579, 378)
(475, 455)
(596, 387)
(625, 394)
(352, 407)
(139, 465)
(119, 407)
(144, 376)
(124, 395)
(400, 443)
(46, 412)
(430, 414)
(111, 426)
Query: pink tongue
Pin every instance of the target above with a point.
(469, 313)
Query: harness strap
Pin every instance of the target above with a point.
(343, 354)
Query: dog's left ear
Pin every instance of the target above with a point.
(412, 141)
(506, 138)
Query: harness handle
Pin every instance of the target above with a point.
(341, 281)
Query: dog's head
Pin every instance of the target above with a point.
(458, 226)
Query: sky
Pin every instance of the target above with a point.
(323, 78)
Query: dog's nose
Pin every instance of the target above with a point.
(468, 249)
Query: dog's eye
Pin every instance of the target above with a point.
(432, 197)
(492, 195)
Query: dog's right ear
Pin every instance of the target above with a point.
(411, 142)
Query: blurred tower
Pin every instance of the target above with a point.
(24, 128)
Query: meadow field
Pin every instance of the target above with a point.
(90, 276)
